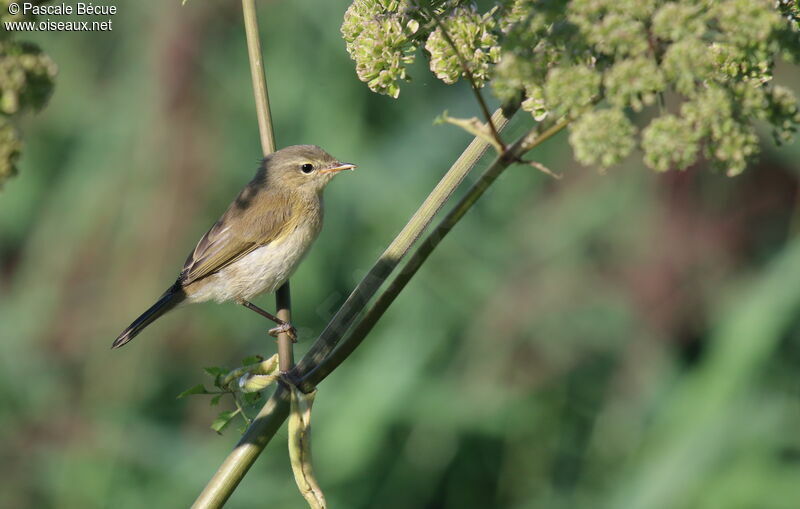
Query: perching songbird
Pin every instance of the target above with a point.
(258, 242)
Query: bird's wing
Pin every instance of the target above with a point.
(247, 225)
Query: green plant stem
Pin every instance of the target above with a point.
(391, 257)
(283, 301)
(349, 343)
(257, 74)
(255, 438)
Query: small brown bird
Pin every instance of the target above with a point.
(258, 242)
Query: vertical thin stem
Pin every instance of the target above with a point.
(283, 301)
(282, 296)
(257, 73)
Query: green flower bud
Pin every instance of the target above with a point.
(709, 108)
(634, 83)
(733, 146)
(686, 63)
(571, 89)
(382, 42)
(675, 21)
(472, 36)
(534, 102)
(669, 142)
(746, 23)
(603, 137)
(618, 34)
(613, 27)
(783, 112)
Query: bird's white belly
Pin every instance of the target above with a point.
(260, 271)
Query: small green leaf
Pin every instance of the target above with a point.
(218, 374)
(252, 359)
(197, 389)
(215, 371)
(215, 399)
(223, 419)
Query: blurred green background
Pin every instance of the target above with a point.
(627, 340)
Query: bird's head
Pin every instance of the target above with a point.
(303, 168)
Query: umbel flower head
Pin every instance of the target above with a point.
(605, 65)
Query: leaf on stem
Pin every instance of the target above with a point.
(197, 389)
(252, 359)
(223, 419)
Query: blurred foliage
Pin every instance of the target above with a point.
(26, 82)
(601, 341)
(607, 57)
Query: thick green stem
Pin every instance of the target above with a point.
(258, 434)
(386, 263)
(382, 303)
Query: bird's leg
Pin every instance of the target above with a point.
(282, 326)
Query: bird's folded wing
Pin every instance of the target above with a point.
(242, 229)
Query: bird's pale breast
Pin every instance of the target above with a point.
(260, 271)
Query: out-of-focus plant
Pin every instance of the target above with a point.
(26, 83)
(601, 62)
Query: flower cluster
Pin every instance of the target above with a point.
(26, 82)
(693, 75)
(26, 77)
(380, 38)
(472, 43)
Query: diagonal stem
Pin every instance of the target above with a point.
(391, 257)
(348, 344)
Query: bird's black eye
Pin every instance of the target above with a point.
(307, 168)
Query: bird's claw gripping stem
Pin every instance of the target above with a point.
(284, 327)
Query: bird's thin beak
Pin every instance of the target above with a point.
(338, 168)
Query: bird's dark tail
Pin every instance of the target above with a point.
(171, 298)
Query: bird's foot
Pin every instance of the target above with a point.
(284, 327)
(289, 378)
